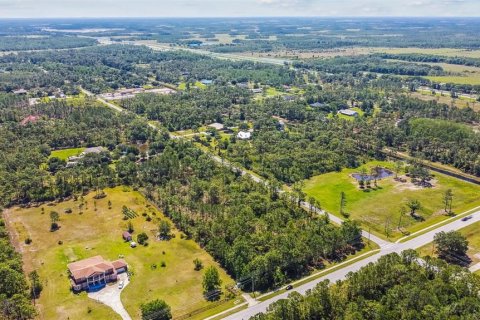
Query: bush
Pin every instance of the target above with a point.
(28, 240)
(156, 310)
(54, 226)
(142, 238)
(163, 264)
(198, 264)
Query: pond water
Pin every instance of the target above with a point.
(381, 174)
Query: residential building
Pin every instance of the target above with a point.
(349, 112)
(242, 135)
(94, 273)
(216, 125)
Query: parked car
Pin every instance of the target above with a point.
(120, 285)
(289, 287)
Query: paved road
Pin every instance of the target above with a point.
(341, 274)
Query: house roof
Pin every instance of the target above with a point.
(244, 135)
(88, 267)
(317, 104)
(29, 119)
(120, 263)
(216, 125)
(349, 112)
(126, 234)
(93, 150)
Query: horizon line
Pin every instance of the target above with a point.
(238, 17)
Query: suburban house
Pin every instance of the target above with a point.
(349, 112)
(20, 91)
(127, 236)
(206, 82)
(317, 105)
(216, 125)
(242, 135)
(93, 150)
(73, 160)
(94, 273)
(29, 119)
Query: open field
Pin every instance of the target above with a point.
(379, 209)
(460, 103)
(355, 51)
(64, 154)
(473, 237)
(472, 79)
(98, 232)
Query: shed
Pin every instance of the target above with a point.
(127, 236)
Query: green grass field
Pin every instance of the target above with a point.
(472, 79)
(473, 237)
(379, 209)
(64, 154)
(98, 232)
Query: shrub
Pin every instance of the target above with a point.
(142, 238)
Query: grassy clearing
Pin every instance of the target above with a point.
(473, 237)
(64, 154)
(98, 232)
(451, 52)
(460, 103)
(379, 209)
(472, 79)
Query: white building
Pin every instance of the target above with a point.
(349, 112)
(242, 135)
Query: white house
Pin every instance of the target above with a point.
(349, 112)
(242, 135)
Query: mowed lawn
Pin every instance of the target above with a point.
(64, 154)
(473, 237)
(99, 232)
(379, 209)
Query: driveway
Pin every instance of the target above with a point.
(110, 296)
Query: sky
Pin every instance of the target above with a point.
(236, 8)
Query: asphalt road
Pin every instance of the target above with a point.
(342, 273)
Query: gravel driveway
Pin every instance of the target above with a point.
(110, 296)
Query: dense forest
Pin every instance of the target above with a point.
(41, 42)
(192, 108)
(107, 68)
(249, 228)
(395, 287)
(14, 290)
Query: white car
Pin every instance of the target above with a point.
(120, 285)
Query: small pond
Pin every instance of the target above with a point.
(381, 173)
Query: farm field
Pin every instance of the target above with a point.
(473, 237)
(98, 232)
(379, 209)
(64, 154)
